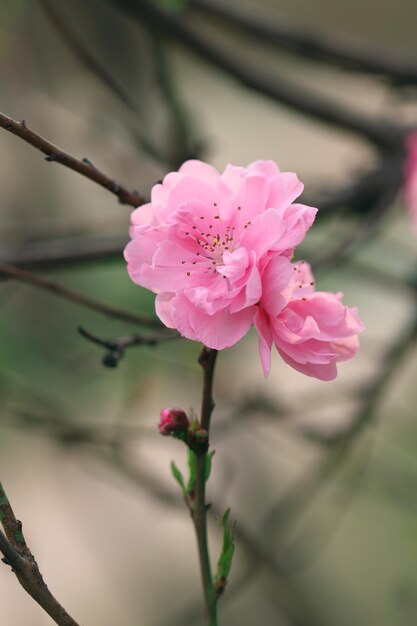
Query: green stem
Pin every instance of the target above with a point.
(207, 361)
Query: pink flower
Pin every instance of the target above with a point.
(410, 181)
(203, 241)
(173, 421)
(312, 331)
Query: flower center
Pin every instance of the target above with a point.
(212, 238)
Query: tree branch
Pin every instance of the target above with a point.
(75, 296)
(62, 252)
(115, 348)
(318, 47)
(18, 554)
(207, 361)
(380, 132)
(84, 166)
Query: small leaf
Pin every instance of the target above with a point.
(209, 459)
(178, 476)
(192, 466)
(225, 561)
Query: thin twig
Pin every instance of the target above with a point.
(207, 361)
(115, 348)
(84, 166)
(75, 296)
(312, 46)
(18, 555)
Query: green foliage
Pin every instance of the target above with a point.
(225, 561)
(178, 476)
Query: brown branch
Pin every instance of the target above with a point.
(378, 131)
(84, 166)
(366, 227)
(312, 46)
(115, 348)
(18, 554)
(75, 296)
(62, 252)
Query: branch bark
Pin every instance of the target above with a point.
(83, 167)
(207, 361)
(75, 296)
(18, 555)
(381, 133)
(312, 46)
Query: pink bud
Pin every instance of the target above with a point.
(173, 421)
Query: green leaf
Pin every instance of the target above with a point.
(192, 466)
(178, 476)
(209, 459)
(225, 561)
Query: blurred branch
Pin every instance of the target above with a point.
(75, 296)
(182, 146)
(84, 166)
(112, 450)
(367, 226)
(380, 132)
(340, 444)
(319, 47)
(17, 554)
(115, 348)
(291, 599)
(363, 190)
(62, 252)
(373, 393)
(76, 46)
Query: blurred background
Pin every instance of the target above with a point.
(321, 477)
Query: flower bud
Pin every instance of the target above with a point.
(173, 421)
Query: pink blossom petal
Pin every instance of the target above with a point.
(322, 371)
(298, 218)
(263, 327)
(264, 233)
(216, 248)
(285, 188)
(144, 214)
(268, 168)
(276, 282)
(218, 331)
(202, 171)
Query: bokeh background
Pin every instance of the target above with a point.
(321, 477)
